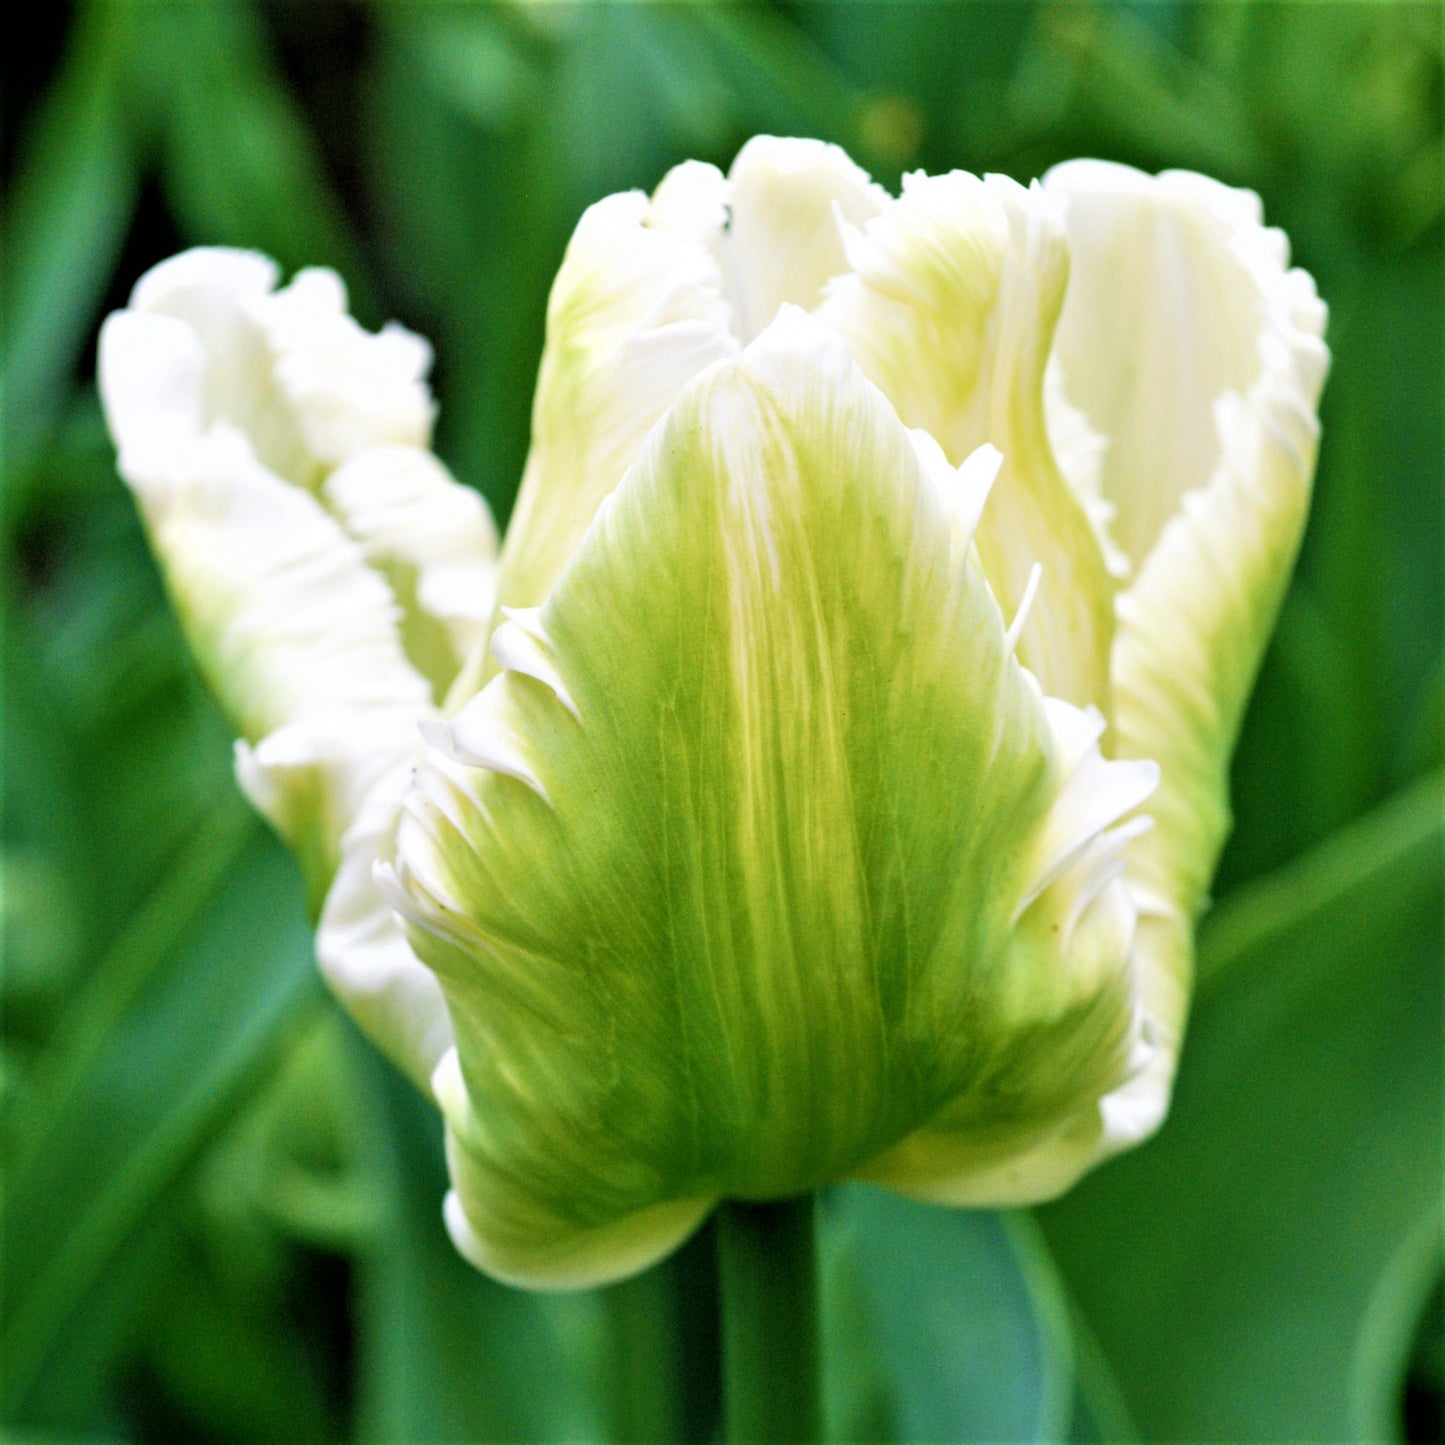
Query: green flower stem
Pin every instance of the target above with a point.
(641, 1389)
(768, 1263)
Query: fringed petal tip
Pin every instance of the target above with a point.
(482, 736)
(1156, 258)
(289, 368)
(949, 306)
(1093, 793)
(309, 779)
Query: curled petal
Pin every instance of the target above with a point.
(950, 308)
(1209, 453)
(296, 636)
(760, 858)
(435, 543)
(285, 617)
(362, 947)
(224, 397)
(1175, 284)
(349, 390)
(288, 369)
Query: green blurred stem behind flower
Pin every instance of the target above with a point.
(777, 808)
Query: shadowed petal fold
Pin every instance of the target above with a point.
(950, 308)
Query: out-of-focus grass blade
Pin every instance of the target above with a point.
(43, 905)
(930, 77)
(171, 1072)
(1385, 861)
(781, 79)
(66, 221)
(114, 754)
(467, 190)
(966, 1317)
(1374, 550)
(80, 1371)
(238, 165)
(1227, 1266)
(85, 1028)
(220, 1345)
(1387, 1333)
(1101, 1413)
(1142, 96)
(1342, 97)
(446, 1353)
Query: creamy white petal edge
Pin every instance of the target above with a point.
(1195, 356)
(278, 454)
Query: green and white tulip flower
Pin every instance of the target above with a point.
(777, 808)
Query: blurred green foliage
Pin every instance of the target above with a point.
(222, 1211)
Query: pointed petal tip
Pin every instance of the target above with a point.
(437, 734)
(478, 738)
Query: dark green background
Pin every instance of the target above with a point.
(221, 1210)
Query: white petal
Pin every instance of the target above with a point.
(362, 948)
(223, 395)
(790, 203)
(290, 369)
(1194, 350)
(216, 294)
(152, 375)
(296, 636)
(435, 542)
(205, 286)
(1175, 282)
(347, 389)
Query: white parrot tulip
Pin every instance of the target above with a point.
(882, 568)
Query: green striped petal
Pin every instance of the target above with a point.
(950, 308)
(1196, 354)
(762, 852)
